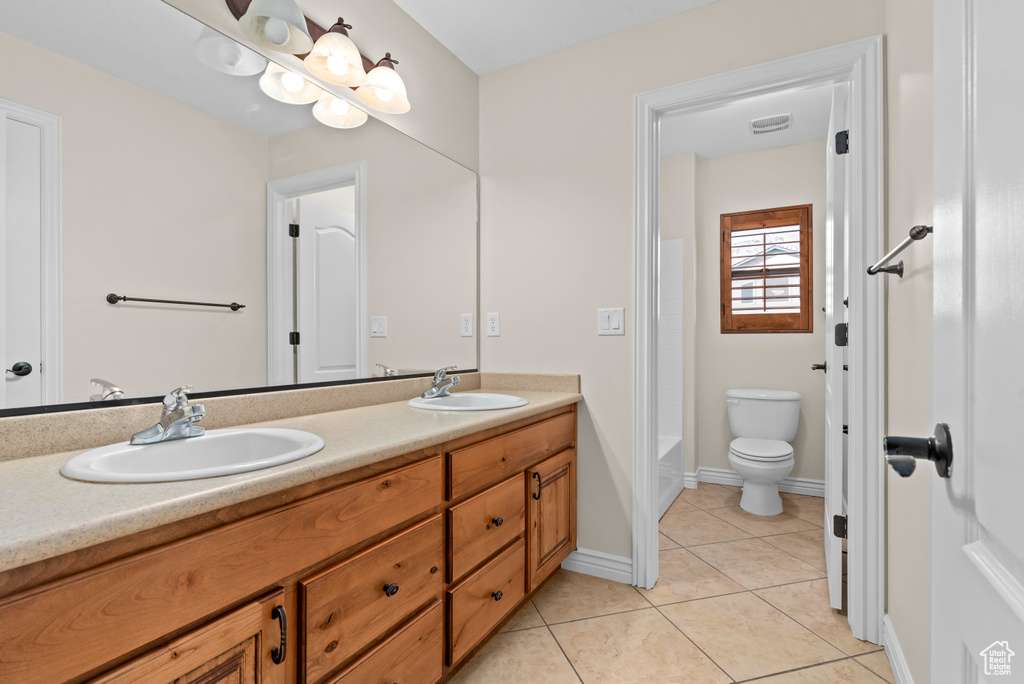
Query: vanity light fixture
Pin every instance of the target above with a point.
(277, 25)
(384, 89)
(287, 86)
(227, 56)
(337, 113)
(336, 59)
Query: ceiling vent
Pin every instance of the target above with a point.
(770, 124)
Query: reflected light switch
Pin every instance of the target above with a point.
(611, 321)
(378, 326)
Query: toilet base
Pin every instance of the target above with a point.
(761, 499)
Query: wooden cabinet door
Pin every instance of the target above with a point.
(551, 516)
(233, 649)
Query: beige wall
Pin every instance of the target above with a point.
(556, 160)
(678, 216)
(159, 200)
(909, 58)
(420, 238)
(778, 177)
(443, 91)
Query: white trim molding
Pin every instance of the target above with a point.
(725, 476)
(599, 564)
(897, 661)
(858, 63)
(280, 303)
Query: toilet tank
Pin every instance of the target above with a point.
(763, 413)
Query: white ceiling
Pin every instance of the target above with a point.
(488, 35)
(726, 130)
(150, 44)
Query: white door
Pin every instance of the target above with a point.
(328, 294)
(835, 313)
(21, 283)
(977, 515)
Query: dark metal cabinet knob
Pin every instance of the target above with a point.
(902, 452)
(279, 653)
(22, 368)
(818, 366)
(497, 595)
(390, 589)
(498, 522)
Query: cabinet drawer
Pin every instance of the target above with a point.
(412, 655)
(480, 526)
(350, 605)
(479, 465)
(475, 606)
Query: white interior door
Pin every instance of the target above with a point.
(328, 294)
(21, 283)
(977, 535)
(835, 313)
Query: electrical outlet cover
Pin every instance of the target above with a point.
(493, 325)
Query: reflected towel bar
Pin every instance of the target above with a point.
(114, 299)
(916, 233)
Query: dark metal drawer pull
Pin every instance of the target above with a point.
(498, 522)
(540, 485)
(278, 654)
(497, 595)
(390, 589)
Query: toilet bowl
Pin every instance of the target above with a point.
(763, 422)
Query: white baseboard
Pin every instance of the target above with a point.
(690, 480)
(726, 476)
(600, 564)
(897, 661)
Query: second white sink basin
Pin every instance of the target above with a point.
(469, 401)
(215, 453)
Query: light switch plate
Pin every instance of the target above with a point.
(611, 321)
(493, 325)
(466, 327)
(378, 326)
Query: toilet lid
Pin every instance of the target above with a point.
(761, 449)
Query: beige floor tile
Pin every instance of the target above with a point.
(807, 603)
(746, 637)
(708, 495)
(842, 672)
(878, 663)
(641, 646)
(755, 564)
(809, 508)
(525, 618)
(761, 525)
(808, 546)
(529, 655)
(680, 506)
(664, 543)
(572, 596)
(699, 527)
(684, 577)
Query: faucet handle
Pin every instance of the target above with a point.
(442, 373)
(176, 398)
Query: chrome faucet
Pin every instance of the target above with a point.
(108, 390)
(442, 390)
(388, 372)
(178, 420)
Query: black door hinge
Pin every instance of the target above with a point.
(846, 429)
(839, 526)
(293, 338)
(842, 336)
(842, 142)
(293, 230)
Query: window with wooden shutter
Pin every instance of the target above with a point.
(766, 271)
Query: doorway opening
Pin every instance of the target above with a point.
(855, 201)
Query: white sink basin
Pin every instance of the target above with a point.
(216, 453)
(467, 401)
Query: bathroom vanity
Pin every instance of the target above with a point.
(395, 570)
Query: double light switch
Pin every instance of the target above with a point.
(611, 322)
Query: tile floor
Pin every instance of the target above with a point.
(740, 598)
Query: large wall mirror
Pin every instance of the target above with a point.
(139, 158)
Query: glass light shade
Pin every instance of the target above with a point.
(384, 91)
(287, 86)
(337, 113)
(223, 54)
(336, 59)
(277, 25)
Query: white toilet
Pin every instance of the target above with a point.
(763, 421)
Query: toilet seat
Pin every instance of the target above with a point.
(761, 449)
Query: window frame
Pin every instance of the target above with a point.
(801, 322)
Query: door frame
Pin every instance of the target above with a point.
(280, 357)
(860, 64)
(49, 126)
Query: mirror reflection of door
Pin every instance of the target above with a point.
(327, 287)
